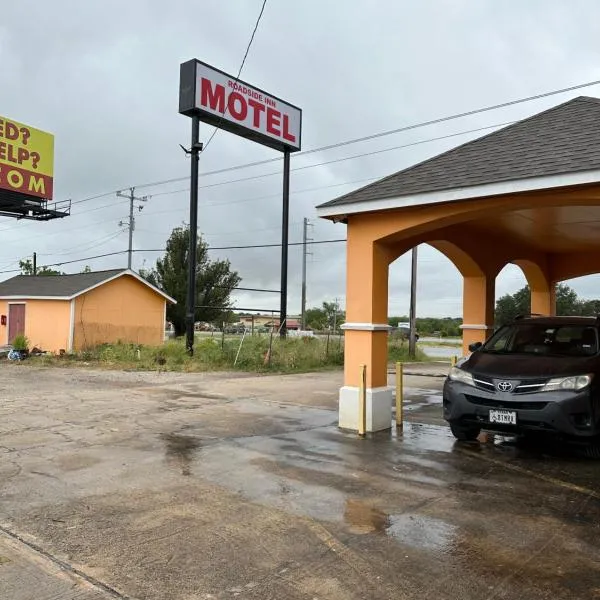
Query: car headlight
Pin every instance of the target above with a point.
(576, 383)
(457, 374)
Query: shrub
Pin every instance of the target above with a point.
(20, 343)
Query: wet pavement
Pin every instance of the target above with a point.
(214, 486)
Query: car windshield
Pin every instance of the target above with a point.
(540, 339)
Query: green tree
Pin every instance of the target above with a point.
(214, 281)
(316, 319)
(510, 306)
(87, 269)
(334, 316)
(26, 267)
(328, 315)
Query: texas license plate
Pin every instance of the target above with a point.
(506, 417)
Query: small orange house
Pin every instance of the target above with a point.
(72, 312)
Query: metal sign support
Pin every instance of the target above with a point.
(285, 218)
(194, 151)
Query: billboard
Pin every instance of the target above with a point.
(231, 104)
(26, 160)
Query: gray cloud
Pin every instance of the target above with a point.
(103, 77)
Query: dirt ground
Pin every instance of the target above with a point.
(216, 486)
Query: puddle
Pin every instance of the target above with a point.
(425, 401)
(363, 518)
(180, 450)
(420, 531)
(417, 531)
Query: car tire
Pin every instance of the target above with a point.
(465, 434)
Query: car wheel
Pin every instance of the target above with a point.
(465, 434)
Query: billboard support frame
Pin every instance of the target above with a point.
(189, 106)
(194, 152)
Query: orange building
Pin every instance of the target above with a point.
(527, 194)
(72, 312)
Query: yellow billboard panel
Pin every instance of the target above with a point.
(26, 159)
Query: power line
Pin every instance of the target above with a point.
(68, 262)
(389, 132)
(260, 14)
(337, 160)
(339, 144)
(418, 142)
(361, 139)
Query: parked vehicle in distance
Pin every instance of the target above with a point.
(537, 374)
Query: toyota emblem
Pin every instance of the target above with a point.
(504, 386)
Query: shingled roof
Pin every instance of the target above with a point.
(64, 287)
(562, 139)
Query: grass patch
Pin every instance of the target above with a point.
(399, 353)
(442, 343)
(292, 355)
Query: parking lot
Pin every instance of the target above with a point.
(215, 486)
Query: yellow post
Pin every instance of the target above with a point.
(362, 402)
(399, 394)
(453, 361)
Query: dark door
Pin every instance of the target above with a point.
(16, 321)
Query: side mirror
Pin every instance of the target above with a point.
(475, 346)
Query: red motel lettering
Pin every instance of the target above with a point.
(242, 101)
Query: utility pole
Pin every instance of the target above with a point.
(335, 313)
(35, 263)
(305, 253)
(412, 341)
(131, 223)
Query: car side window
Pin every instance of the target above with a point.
(499, 341)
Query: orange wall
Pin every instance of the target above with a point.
(123, 309)
(47, 323)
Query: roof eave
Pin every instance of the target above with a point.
(338, 212)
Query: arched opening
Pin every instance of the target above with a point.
(512, 296)
(438, 303)
(523, 288)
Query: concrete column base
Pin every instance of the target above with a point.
(378, 405)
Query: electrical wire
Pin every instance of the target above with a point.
(105, 239)
(337, 160)
(262, 10)
(388, 132)
(339, 144)
(69, 262)
(418, 142)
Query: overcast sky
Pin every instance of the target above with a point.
(103, 77)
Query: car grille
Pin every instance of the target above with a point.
(507, 404)
(484, 383)
(529, 386)
(526, 386)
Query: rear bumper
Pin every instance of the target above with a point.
(570, 414)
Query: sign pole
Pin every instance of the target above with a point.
(284, 242)
(191, 288)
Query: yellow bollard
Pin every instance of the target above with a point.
(453, 361)
(362, 402)
(399, 394)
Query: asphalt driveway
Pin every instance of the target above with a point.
(215, 486)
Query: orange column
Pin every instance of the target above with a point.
(366, 331)
(543, 300)
(478, 309)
